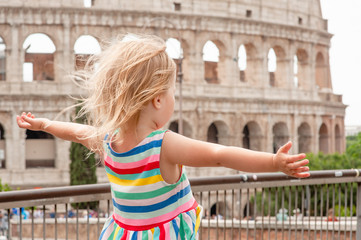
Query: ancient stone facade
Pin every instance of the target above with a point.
(252, 107)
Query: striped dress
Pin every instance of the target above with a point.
(145, 206)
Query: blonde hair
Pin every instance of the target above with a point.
(128, 74)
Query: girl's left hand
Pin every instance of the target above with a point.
(292, 165)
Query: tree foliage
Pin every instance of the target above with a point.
(320, 196)
(82, 166)
(4, 187)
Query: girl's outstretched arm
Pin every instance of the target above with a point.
(177, 149)
(74, 132)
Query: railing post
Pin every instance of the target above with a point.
(358, 211)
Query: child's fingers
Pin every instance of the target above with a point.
(21, 122)
(301, 169)
(296, 165)
(294, 158)
(285, 148)
(302, 175)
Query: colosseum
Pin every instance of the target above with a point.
(268, 83)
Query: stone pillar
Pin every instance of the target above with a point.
(332, 134)
(311, 73)
(294, 134)
(68, 53)
(263, 75)
(196, 72)
(14, 63)
(269, 134)
(315, 147)
(17, 158)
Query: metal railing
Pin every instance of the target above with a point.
(247, 206)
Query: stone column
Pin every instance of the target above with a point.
(263, 72)
(269, 134)
(14, 63)
(196, 71)
(68, 56)
(315, 147)
(17, 140)
(332, 134)
(294, 133)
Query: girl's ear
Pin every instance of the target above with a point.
(157, 102)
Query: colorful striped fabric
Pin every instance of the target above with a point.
(145, 206)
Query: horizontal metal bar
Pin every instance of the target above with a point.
(89, 191)
(56, 200)
(54, 192)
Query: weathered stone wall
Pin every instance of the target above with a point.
(253, 113)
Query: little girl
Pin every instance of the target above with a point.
(131, 97)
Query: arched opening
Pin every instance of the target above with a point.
(39, 150)
(246, 142)
(187, 129)
(320, 72)
(174, 127)
(212, 134)
(218, 133)
(295, 71)
(211, 59)
(277, 67)
(85, 47)
(280, 135)
(2, 60)
(39, 58)
(323, 139)
(218, 210)
(304, 138)
(338, 140)
(252, 136)
(272, 66)
(174, 50)
(2, 147)
(242, 62)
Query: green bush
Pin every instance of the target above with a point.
(82, 167)
(4, 187)
(325, 194)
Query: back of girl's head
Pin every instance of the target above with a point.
(129, 74)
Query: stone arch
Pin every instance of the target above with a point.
(39, 58)
(187, 128)
(39, 150)
(218, 133)
(85, 47)
(252, 63)
(211, 59)
(246, 61)
(242, 62)
(323, 139)
(280, 135)
(338, 139)
(252, 136)
(2, 147)
(304, 138)
(214, 65)
(218, 209)
(174, 50)
(185, 57)
(2, 60)
(272, 66)
(321, 71)
(302, 66)
(277, 75)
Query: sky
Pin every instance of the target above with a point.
(344, 21)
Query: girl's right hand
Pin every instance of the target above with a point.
(28, 121)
